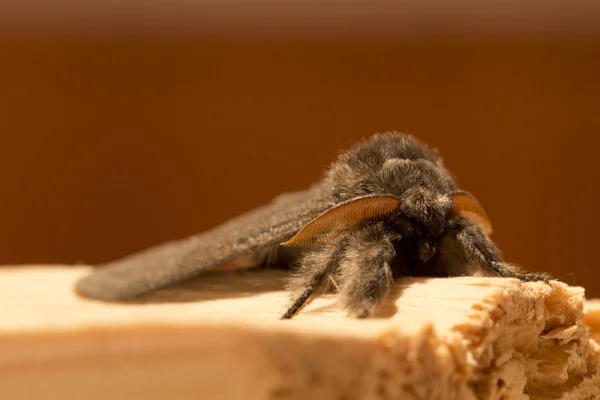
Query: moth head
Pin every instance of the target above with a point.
(353, 214)
(346, 217)
(466, 205)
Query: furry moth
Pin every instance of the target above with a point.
(387, 207)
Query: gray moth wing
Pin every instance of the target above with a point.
(179, 260)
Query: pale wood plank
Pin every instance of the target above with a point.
(219, 337)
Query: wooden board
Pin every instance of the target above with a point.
(219, 337)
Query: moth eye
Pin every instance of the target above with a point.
(466, 206)
(346, 217)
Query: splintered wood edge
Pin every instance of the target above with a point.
(460, 338)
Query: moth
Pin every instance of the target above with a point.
(385, 208)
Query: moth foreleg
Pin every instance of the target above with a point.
(365, 273)
(479, 249)
(313, 275)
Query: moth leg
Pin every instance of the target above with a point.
(465, 243)
(312, 278)
(365, 273)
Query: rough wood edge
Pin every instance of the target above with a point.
(460, 338)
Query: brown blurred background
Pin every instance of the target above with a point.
(123, 129)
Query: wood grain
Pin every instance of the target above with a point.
(219, 336)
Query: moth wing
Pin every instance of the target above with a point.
(179, 260)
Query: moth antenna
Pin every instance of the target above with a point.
(346, 217)
(465, 205)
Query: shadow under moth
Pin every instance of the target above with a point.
(386, 208)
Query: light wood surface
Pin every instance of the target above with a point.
(219, 337)
(592, 318)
